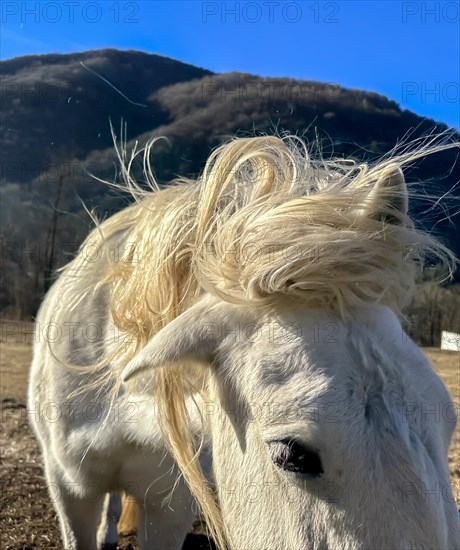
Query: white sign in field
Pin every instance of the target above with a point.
(450, 341)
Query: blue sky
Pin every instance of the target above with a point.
(409, 51)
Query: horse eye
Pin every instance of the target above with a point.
(292, 456)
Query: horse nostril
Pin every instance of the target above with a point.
(292, 456)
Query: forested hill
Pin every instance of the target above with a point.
(55, 129)
(55, 101)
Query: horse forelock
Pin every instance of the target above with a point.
(266, 223)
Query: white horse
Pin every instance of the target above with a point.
(234, 342)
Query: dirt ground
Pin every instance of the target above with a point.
(27, 519)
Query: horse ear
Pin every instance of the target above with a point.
(389, 199)
(193, 336)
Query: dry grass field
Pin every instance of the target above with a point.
(27, 517)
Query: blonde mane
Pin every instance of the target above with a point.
(264, 224)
